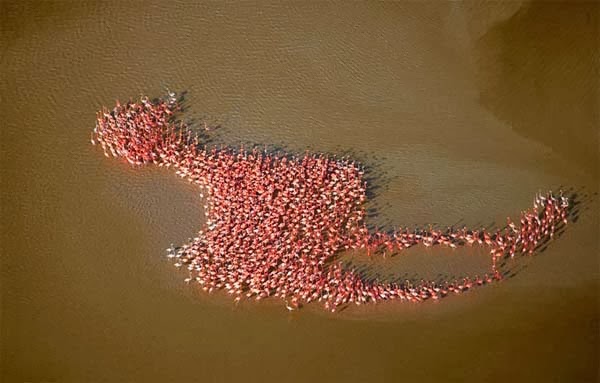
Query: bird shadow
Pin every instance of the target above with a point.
(509, 267)
(378, 181)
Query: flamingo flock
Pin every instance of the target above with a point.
(274, 223)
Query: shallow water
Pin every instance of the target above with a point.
(464, 111)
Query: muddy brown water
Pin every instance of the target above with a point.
(463, 110)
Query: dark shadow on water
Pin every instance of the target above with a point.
(377, 180)
(579, 201)
(535, 73)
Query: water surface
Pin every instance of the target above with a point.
(464, 111)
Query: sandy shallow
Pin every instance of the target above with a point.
(463, 111)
